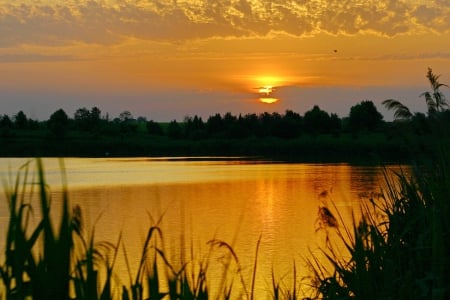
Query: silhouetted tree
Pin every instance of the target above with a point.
(58, 123)
(231, 126)
(215, 125)
(250, 125)
(82, 118)
(5, 126)
(5, 122)
(20, 120)
(317, 121)
(287, 126)
(154, 128)
(335, 124)
(125, 116)
(364, 116)
(174, 130)
(291, 115)
(228, 119)
(239, 129)
(95, 116)
(127, 123)
(87, 120)
(33, 124)
(266, 121)
(194, 127)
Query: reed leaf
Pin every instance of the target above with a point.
(252, 292)
(401, 112)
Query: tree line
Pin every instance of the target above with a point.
(362, 118)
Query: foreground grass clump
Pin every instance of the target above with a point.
(44, 275)
(45, 259)
(397, 250)
(400, 247)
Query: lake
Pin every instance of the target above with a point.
(193, 201)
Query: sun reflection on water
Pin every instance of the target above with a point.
(200, 200)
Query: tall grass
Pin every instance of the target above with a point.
(42, 274)
(45, 259)
(400, 248)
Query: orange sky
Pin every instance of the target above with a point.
(168, 59)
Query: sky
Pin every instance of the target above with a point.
(168, 59)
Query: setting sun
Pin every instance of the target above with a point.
(265, 90)
(256, 128)
(266, 94)
(268, 100)
(179, 58)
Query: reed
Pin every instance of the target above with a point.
(56, 260)
(27, 272)
(399, 248)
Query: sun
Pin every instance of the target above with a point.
(268, 100)
(266, 94)
(266, 85)
(265, 90)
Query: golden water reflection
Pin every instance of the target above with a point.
(236, 201)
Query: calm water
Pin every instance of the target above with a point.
(234, 200)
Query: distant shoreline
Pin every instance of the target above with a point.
(370, 148)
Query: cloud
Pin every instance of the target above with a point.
(108, 22)
(20, 58)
